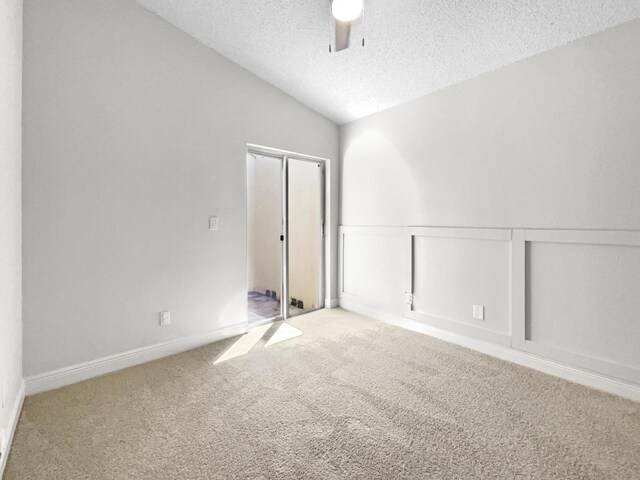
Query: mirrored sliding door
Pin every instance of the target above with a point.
(285, 236)
(265, 200)
(305, 239)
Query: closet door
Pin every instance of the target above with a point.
(265, 231)
(305, 239)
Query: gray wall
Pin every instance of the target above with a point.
(10, 202)
(134, 135)
(551, 142)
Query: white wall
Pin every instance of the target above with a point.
(10, 203)
(551, 142)
(548, 142)
(134, 135)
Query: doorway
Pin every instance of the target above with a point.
(285, 235)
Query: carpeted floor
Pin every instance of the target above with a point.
(349, 398)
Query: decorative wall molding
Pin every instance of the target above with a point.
(371, 303)
(551, 367)
(599, 373)
(94, 368)
(498, 234)
(593, 237)
(343, 230)
(410, 312)
(523, 237)
(14, 417)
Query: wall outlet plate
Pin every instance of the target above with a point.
(213, 223)
(165, 318)
(478, 312)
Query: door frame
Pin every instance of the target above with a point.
(325, 255)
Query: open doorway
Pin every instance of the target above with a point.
(285, 235)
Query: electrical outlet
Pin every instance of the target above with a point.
(478, 312)
(165, 318)
(213, 223)
(3, 392)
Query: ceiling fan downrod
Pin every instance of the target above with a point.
(344, 13)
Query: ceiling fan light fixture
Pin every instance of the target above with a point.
(346, 10)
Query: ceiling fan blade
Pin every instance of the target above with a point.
(343, 32)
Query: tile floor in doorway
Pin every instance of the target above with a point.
(262, 307)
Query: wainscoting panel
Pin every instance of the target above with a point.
(582, 299)
(455, 269)
(371, 267)
(565, 296)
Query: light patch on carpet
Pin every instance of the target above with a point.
(244, 344)
(352, 398)
(283, 333)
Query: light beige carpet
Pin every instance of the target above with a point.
(350, 398)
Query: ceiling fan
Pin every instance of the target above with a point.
(345, 12)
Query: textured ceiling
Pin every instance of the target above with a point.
(413, 47)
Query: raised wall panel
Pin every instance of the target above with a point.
(450, 275)
(372, 267)
(571, 297)
(584, 299)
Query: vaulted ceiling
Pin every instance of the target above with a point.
(413, 47)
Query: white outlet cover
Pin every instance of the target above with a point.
(165, 318)
(478, 312)
(213, 223)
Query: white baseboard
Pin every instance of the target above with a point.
(265, 321)
(567, 372)
(331, 302)
(13, 423)
(94, 368)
